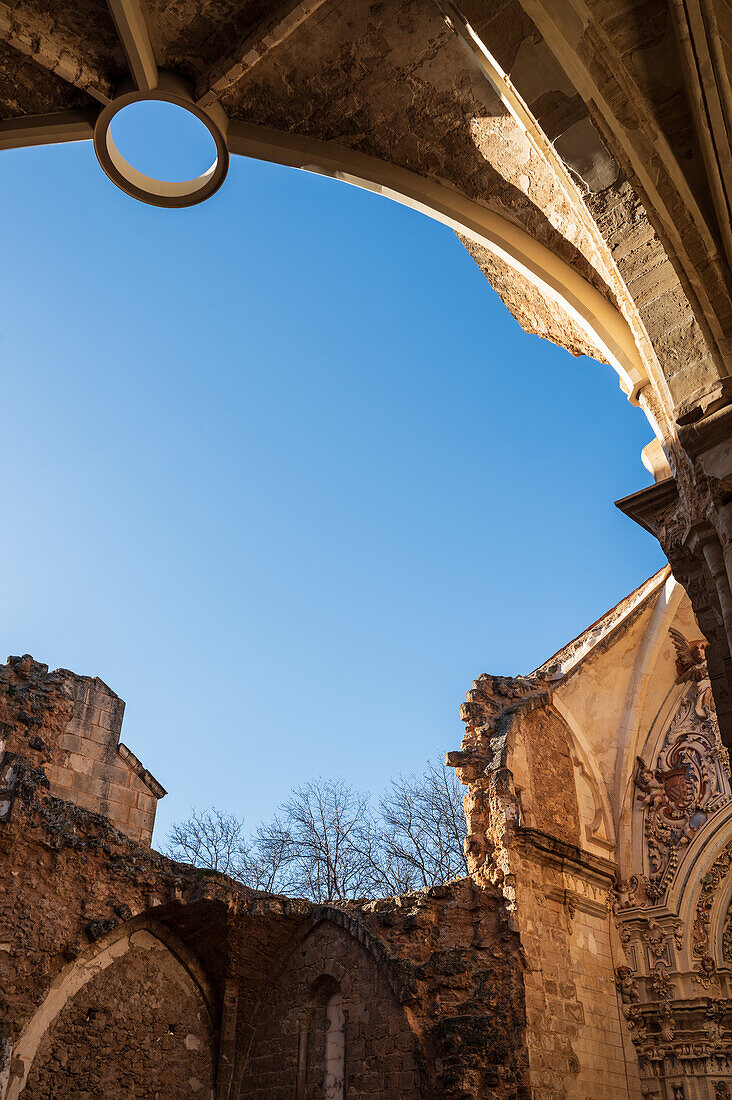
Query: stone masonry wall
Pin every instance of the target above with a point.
(524, 834)
(70, 725)
(573, 1017)
(381, 1056)
(435, 977)
(133, 1030)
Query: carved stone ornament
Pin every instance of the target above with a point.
(690, 780)
(691, 667)
(655, 938)
(637, 1025)
(661, 983)
(711, 882)
(628, 893)
(679, 934)
(627, 985)
(706, 973)
(727, 936)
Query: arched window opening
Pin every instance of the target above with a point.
(335, 1048)
(321, 1056)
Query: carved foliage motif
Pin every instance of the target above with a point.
(710, 884)
(687, 785)
(727, 936)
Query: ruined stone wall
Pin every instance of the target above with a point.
(432, 982)
(70, 725)
(525, 834)
(136, 1029)
(562, 915)
(381, 1056)
(69, 881)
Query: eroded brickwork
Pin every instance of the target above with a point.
(379, 1044)
(70, 726)
(432, 983)
(136, 1029)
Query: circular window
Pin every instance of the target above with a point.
(163, 140)
(161, 148)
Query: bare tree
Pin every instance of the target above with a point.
(326, 843)
(273, 857)
(325, 831)
(213, 839)
(423, 828)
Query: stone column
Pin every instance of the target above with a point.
(690, 513)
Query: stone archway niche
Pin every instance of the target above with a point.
(134, 1008)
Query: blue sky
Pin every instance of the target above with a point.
(282, 470)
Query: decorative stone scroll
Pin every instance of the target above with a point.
(690, 779)
(711, 882)
(727, 936)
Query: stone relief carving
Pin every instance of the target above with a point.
(690, 779)
(627, 985)
(675, 1031)
(656, 940)
(727, 936)
(661, 983)
(706, 973)
(678, 932)
(628, 893)
(710, 884)
(691, 667)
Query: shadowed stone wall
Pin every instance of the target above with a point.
(381, 1058)
(137, 1028)
(125, 973)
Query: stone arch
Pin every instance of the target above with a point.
(603, 77)
(699, 887)
(325, 1012)
(141, 935)
(598, 830)
(630, 725)
(333, 956)
(552, 277)
(538, 754)
(586, 231)
(651, 854)
(456, 113)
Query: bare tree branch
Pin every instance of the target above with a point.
(211, 838)
(326, 842)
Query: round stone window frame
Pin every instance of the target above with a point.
(166, 193)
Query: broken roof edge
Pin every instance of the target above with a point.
(138, 768)
(570, 656)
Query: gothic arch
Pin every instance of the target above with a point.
(334, 973)
(632, 718)
(587, 768)
(450, 113)
(140, 932)
(554, 279)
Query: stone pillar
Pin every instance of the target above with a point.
(302, 1058)
(690, 513)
